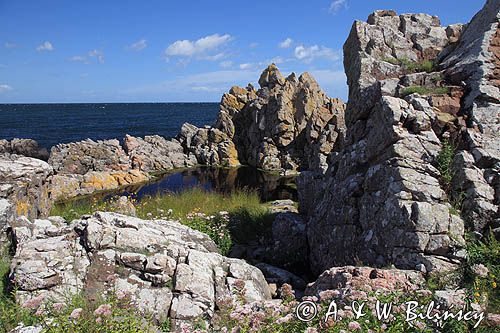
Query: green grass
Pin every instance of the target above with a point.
(444, 164)
(413, 66)
(236, 217)
(484, 251)
(421, 90)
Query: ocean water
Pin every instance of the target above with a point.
(50, 124)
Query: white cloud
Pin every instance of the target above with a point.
(215, 57)
(226, 64)
(97, 54)
(253, 45)
(214, 82)
(45, 46)
(246, 65)
(81, 59)
(139, 45)
(9, 45)
(86, 59)
(286, 43)
(336, 5)
(200, 47)
(5, 88)
(309, 53)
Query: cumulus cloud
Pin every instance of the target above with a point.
(286, 43)
(81, 59)
(200, 47)
(5, 88)
(336, 5)
(45, 46)
(139, 45)
(309, 53)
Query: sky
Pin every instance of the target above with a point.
(59, 51)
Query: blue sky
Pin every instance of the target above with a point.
(174, 51)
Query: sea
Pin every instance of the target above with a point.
(50, 124)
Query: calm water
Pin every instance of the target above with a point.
(51, 124)
(269, 186)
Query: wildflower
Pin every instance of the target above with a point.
(286, 291)
(39, 312)
(354, 326)
(286, 319)
(326, 295)
(76, 313)
(481, 270)
(98, 320)
(311, 330)
(33, 303)
(104, 310)
(494, 284)
(58, 306)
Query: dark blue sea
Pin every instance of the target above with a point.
(50, 124)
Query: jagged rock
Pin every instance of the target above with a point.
(211, 147)
(155, 153)
(280, 276)
(24, 182)
(382, 49)
(25, 147)
(288, 124)
(475, 62)
(366, 279)
(65, 186)
(6, 218)
(289, 242)
(166, 268)
(88, 155)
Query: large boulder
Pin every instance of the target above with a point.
(25, 147)
(88, 155)
(155, 153)
(24, 182)
(166, 268)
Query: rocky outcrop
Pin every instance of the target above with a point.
(88, 155)
(89, 166)
(366, 279)
(24, 182)
(155, 153)
(475, 62)
(25, 147)
(166, 268)
(288, 124)
(382, 200)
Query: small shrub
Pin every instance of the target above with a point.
(421, 90)
(444, 164)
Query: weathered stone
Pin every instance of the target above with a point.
(155, 153)
(166, 268)
(24, 181)
(25, 147)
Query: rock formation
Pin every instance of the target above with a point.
(168, 269)
(26, 147)
(383, 199)
(288, 124)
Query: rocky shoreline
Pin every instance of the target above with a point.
(394, 178)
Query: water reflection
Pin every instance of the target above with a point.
(270, 186)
